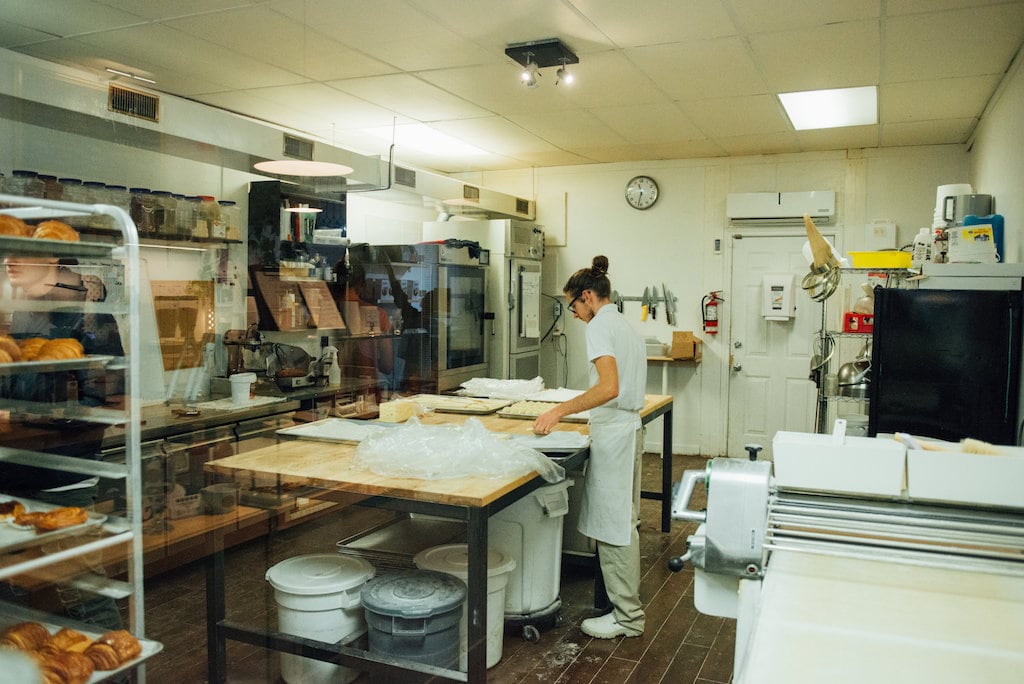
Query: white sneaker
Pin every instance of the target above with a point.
(605, 627)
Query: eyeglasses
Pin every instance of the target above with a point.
(572, 304)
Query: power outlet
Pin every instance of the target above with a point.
(558, 326)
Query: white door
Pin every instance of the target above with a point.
(769, 385)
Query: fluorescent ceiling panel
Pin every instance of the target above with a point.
(833, 108)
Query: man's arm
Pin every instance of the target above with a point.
(606, 389)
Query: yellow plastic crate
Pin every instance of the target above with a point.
(883, 259)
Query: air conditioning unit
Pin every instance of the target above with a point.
(780, 208)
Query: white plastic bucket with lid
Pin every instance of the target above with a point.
(241, 388)
(454, 560)
(318, 598)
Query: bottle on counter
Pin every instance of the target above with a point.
(924, 243)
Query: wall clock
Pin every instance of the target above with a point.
(641, 192)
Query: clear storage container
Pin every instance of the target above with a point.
(166, 214)
(143, 210)
(229, 218)
(209, 213)
(25, 183)
(188, 216)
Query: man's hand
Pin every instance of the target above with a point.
(546, 421)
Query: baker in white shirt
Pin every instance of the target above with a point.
(610, 510)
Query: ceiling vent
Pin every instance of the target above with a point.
(522, 206)
(297, 148)
(133, 103)
(406, 177)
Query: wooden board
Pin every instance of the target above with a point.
(323, 311)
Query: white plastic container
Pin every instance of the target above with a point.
(454, 560)
(318, 598)
(924, 242)
(241, 388)
(530, 532)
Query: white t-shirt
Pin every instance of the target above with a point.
(608, 334)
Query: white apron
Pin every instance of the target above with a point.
(606, 509)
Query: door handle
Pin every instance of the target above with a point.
(734, 363)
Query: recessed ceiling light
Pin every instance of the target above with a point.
(302, 167)
(831, 108)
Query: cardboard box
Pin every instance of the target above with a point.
(685, 346)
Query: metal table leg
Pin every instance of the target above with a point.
(216, 648)
(666, 472)
(476, 599)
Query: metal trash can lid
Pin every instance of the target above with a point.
(413, 594)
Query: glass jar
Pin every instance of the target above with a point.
(52, 189)
(25, 183)
(95, 192)
(209, 213)
(72, 190)
(143, 208)
(118, 196)
(229, 217)
(188, 216)
(166, 213)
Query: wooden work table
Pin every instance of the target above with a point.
(329, 468)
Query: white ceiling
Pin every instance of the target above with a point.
(657, 79)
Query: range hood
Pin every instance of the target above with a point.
(58, 97)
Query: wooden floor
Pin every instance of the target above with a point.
(679, 645)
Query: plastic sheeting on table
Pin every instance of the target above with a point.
(493, 388)
(437, 452)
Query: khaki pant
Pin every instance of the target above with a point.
(620, 565)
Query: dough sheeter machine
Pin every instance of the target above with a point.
(858, 560)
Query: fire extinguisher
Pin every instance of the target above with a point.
(709, 309)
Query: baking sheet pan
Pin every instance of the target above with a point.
(443, 403)
(559, 441)
(87, 361)
(13, 614)
(341, 430)
(529, 410)
(14, 538)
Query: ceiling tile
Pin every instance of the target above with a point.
(495, 134)
(599, 74)
(970, 42)
(758, 16)
(631, 24)
(836, 56)
(13, 35)
(734, 116)
(572, 129)
(62, 19)
(496, 87)
(685, 72)
(845, 138)
(648, 124)
(948, 98)
(410, 97)
(267, 36)
(926, 132)
(156, 10)
(771, 143)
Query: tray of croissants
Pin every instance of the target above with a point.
(25, 523)
(69, 656)
(48, 238)
(41, 355)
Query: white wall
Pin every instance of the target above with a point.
(672, 243)
(997, 165)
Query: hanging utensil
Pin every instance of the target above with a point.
(824, 275)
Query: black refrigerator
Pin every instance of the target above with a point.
(945, 364)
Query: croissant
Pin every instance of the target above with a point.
(10, 345)
(59, 518)
(56, 350)
(103, 656)
(67, 639)
(27, 636)
(30, 347)
(65, 667)
(113, 649)
(55, 230)
(11, 509)
(11, 225)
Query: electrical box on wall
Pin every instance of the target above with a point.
(778, 302)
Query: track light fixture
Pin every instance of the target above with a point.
(536, 55)
(563, 75)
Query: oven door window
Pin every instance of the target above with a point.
(465, 320)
